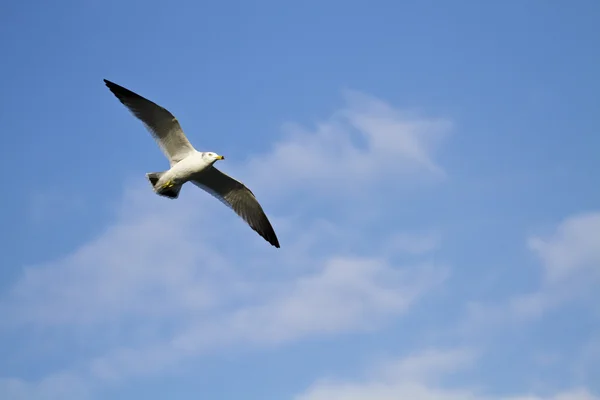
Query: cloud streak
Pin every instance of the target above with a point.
(569, 257)
(412, 377)
(359, 148)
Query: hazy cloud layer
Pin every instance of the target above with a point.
(413, 377)
(192, 278)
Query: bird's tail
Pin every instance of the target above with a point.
(171, 191)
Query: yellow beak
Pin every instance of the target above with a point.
(220, 158)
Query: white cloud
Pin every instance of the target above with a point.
(570, 260)
(412, 379)
(345, 294)
(428, 365)
(144, 265)
(571, 264)
(395, 136)
(361, 147)
(574, 249)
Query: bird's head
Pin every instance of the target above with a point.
(212, 157)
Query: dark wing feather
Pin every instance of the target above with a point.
(239, 198)
(163, 126)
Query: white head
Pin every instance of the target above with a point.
(211, 157)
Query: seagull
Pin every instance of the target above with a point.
(189, 165)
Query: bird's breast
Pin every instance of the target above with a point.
(189, 166)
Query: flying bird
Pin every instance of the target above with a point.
(189, 165)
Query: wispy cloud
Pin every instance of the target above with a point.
(569, 257)
(144, 265)
(572, 250)
(361, 147)
(345, 295)
(413, 377)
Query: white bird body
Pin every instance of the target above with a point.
(187, 168)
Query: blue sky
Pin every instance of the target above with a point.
(430, 169)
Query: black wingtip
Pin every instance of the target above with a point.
(125, 95)
(115, 88)
(272, 238)
(267, 233)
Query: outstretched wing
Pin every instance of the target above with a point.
(163, 126)
(239, 198)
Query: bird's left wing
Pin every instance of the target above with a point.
(239, 198)
(163, 126)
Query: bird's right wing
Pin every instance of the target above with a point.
(239, 198)
(163, 126)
